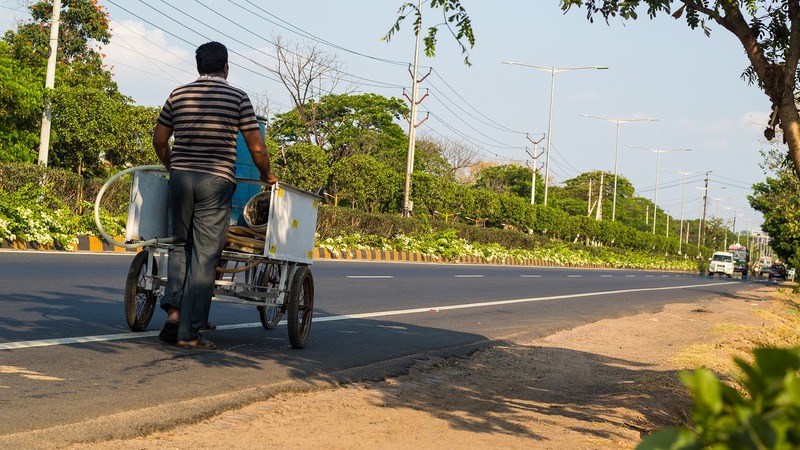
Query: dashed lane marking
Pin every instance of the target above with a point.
(427, 309)
(368, 277)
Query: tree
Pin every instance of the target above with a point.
(447, 158)
(303, 165)
(452, 12)
(308, 75)
(507, 179)
(90, 117)
(769, 31)
(348, 125)
(366, 182)
(778, 199)
(20, 107)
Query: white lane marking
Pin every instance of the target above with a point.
(426, 309)
(630, 276)
(467, 276)
(606, 276)
(574, 276)
(369, 276)
(531, 276)
(650, 276)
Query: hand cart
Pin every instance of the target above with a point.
(266, 267)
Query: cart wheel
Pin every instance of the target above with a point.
(270, 277)
(139, 302)
(300, 307)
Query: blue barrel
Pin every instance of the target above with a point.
(245, 169)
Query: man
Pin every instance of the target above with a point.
(205, 117)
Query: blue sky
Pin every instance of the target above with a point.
(657, 68)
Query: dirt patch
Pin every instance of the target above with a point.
(598, 386)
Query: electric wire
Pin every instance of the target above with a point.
(299, 31)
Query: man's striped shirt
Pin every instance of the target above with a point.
(206, 117)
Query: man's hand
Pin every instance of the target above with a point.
(270, 178)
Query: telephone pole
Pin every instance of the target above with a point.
(49, 84)
(705, 207)
(535, 167)
(408, 205)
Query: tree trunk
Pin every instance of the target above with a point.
(777, 79)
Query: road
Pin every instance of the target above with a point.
(67, 356)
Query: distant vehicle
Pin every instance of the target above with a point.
(741, 259)
(721, 263)
(762, 266)
(777, 270)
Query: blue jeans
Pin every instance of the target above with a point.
(200, 209)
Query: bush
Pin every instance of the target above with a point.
(34, 214)
(765, 417)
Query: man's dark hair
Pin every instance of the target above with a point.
(211, 57)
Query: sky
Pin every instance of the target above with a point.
(657, 69)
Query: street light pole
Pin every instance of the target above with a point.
(683, 198)
(616, 154)
(658, 153)
(553, 71)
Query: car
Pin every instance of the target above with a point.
(777, 270)
(721, 263)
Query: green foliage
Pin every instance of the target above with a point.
(302, 165)
(364, 181)
(93, 124)
(766, 416)
(506, 179)
(778, 199)
(65, 190)
(32, 214)
(457, 22)
(345, 125)
(341, 229)
(21, 110)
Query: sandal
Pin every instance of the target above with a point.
(208, 326)
(169, 333)
(199, 343)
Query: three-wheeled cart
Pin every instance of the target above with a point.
(266, 265)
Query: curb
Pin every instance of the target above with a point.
(95, 244)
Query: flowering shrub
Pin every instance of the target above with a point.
(446, 244)
(31, 214)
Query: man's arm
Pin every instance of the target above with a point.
(255, 143)
(161, 137)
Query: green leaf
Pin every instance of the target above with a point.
(670, 439)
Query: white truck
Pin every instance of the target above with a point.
(721, 263)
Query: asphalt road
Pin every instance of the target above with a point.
(67, 356)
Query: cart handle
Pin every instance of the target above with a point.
(102, 191)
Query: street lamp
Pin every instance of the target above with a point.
(616, 154)
(553, 71)
(658, 153)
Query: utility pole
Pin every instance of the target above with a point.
(599, 214)
(535, 167)
(705, 207)
(412, 123)
(49, 84)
